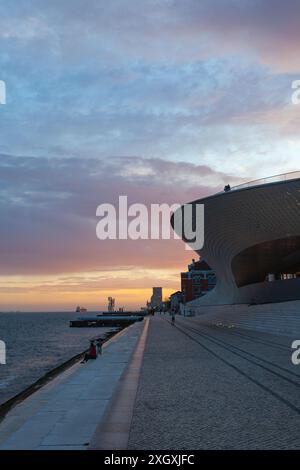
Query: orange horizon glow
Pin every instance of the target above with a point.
(131, 289)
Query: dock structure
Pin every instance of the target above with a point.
(106, 320)
(196, 384)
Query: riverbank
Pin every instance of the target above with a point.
(36, 343)
(52, 374)
(65, 412)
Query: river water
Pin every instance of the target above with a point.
(36, 343)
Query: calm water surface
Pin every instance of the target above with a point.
(35, 344)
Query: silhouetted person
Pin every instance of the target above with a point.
(227, 188)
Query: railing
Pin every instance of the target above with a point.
(270, 179)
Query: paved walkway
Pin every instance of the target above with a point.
(65, 413)
(207, 387)
(188, 386)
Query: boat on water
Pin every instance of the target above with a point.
(80, 309)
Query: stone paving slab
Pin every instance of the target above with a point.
(65, 413)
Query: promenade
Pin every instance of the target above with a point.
(64, 414)
(158, 386)
(208, 387)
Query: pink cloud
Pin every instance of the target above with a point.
(48, 211)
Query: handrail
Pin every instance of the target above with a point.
(269, 179)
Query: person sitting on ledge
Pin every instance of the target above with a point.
(227, 187)
(92, 352)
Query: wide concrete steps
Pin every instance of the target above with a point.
(282, 318)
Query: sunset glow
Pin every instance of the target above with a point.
(176, 104)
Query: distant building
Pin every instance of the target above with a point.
(197, 281)
(156, 298)
(175, 299)
(111, 304)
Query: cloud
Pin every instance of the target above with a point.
(268, 31)
(48, 209)
(162, 100)
(31, 27)
(173, 81)
(169, 30)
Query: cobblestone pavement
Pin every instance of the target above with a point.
(210, 387)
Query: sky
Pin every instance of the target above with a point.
(163, 101)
